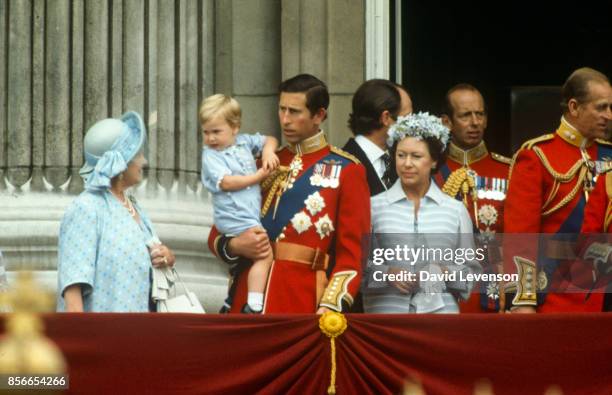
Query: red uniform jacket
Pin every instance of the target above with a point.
(490, 178)
(598, 212)
(491, 171)
(548, 180)
(328, 200)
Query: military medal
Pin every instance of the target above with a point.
(496, 189)
(488, 192)
(326, 174)
(589, 183)
(601, 166)
(481, 187)
(492, 188)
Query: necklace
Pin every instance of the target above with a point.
(127, 203)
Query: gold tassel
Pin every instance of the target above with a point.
(462, 181)
(272, 184)
(413, 387)
(332, 324)
(331, 390)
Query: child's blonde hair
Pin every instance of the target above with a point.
(220, 105)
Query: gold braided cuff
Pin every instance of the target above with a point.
(527, 285)
(598, 252)
(337, 290)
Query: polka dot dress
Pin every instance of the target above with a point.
(104, 249)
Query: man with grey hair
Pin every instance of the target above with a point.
(550, 181)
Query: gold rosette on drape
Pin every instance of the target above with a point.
(332, 324)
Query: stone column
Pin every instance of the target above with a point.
(64, 65)
(326, 39)
(19, 95)
(248, 59)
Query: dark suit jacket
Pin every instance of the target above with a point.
(375, 184)
(376, 187)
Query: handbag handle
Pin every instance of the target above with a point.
(179, 281)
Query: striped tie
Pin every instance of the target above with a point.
(386, 178)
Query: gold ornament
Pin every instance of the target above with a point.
(463, 180)
(274, 184)
(24, 349)
(332, 324)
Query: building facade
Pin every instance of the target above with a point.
(65, 64)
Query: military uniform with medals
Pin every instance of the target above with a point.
(480, 179)
(316, 210)
(550, 181)
(595, 230)
(598, 212)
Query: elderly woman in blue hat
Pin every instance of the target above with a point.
(107, 244)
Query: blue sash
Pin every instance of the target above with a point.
(293, 200)
(445, 172)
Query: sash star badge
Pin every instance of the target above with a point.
(315, 203)
(542, 280)
(493, 290)
(324, 226)
(487, 215)
(301, 222)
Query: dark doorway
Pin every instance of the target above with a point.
(497, 46)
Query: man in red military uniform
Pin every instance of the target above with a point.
(316, 211)
(595, 230)
(550, 180)
(478, 178)
(598, 211)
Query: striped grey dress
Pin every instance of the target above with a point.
(441, 223)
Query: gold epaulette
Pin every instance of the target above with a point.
(604, 142)
(344, 154)
(501, 158)
(530, 143)
(512, 161)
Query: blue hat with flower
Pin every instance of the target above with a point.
(420, 125)
(109, 145)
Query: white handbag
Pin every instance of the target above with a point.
(186, 302)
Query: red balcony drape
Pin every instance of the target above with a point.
(287, 354)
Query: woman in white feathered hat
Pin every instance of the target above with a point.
(107, 244)
(432, 230)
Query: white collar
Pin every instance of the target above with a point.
(396, 192)
(372, 151)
